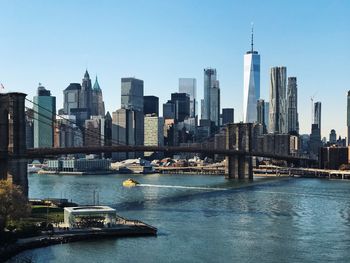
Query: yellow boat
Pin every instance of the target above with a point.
(130, 183)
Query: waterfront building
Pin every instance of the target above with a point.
(251, 84)
(189, 86)
(44, 117)
(150, 105)
(98, 106)
(348, 117)
(277, 116)
(317, 114)
(227, 116)
(292, 108)
(90, 216)
(153, 132)
(209, 83)
(132, 94)
(79, 165)
(333, 137)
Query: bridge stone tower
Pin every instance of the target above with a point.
(239, 137)
(13, 164)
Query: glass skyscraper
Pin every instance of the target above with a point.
(251, 84)
(44, 116)
(189, 86)
(292, 97)
(209, 83)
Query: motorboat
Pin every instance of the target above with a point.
(130, 183)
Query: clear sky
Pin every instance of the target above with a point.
(53, 42)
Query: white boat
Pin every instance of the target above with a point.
(33, 169)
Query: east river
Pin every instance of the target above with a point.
(208, 219)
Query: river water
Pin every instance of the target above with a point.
(208, 219)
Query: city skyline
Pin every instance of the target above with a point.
(56, 53)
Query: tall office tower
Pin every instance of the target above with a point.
(333, 137)
(348, 117)
(189, 86)
(227, 116)
(317, 114)
(71, 97)
(132, 94)
(278, 106)
(127, 129)
(150, 105)
(260, 111)
(181, 103)
(267, 118)
(154, 132)
(215, 103)
(251, 83)
(94, 131)
(98, 106)
(292, 97)
(44, 117)
(85, 100)
(168, 110)
(209, 83)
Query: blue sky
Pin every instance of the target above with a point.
(53, 42)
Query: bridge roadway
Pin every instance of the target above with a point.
(33, 153)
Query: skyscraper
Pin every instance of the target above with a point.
(348, 117)
(227, 116)
(251, 83)
(132, 94)
(278, 116)
(209, 83)
(215, 103)
(260, 109)
(85, 100)
(150, 105)
(98, 106)
(189, 86)
(292, 97)
(71, 97)
(181, 102)
(44, 116)
(267, 118)
(317, 114)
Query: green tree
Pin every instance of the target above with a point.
(13, 204)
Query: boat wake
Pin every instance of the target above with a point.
(182, 187)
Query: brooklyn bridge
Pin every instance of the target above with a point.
(14, 154)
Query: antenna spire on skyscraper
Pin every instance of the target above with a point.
(252, 40)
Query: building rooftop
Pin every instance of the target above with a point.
(89, 209)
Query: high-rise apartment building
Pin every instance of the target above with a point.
(150, 105)
(317, 114)
(44, 117)
(278, 105)
(154, 132)
(132, 94)
(292, 107)
(251, 84)
(333, 137)
(209, 84)
(189, 86)
(215, 104)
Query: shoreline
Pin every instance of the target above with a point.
(139, 229)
